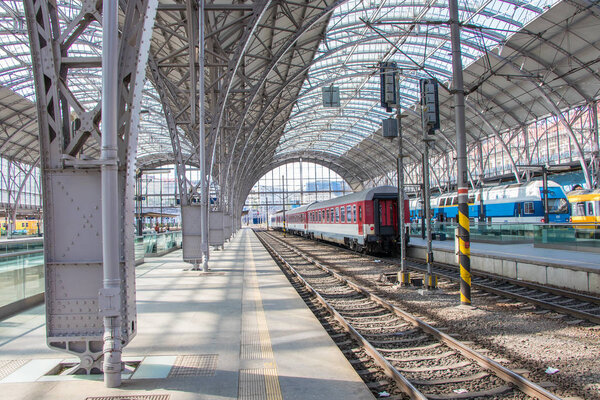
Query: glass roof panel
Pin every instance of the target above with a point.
(412, 33)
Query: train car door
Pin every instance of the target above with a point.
(386, 217)
(360, 219)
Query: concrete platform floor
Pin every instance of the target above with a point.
(238, 332)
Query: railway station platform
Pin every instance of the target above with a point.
(239, 331)
(561, 268)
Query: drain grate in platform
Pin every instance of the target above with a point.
(195, 365)
(132, 397)
(7, 367)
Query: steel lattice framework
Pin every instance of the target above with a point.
(267, 61)
(531, 66)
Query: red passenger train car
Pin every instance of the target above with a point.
(363, 221)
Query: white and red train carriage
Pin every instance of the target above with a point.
(366, 220)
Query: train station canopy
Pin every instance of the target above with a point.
(267, 63)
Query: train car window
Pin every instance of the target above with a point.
(349, 214)
(353, 213)
(455, 200)
(360, 213)
(442, 202)
(337, 214)
(528, 208)
(471, 198)
(581, 209)
(590, 208)
(342, 214)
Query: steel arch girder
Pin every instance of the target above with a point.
(275, 60)
(72, 220)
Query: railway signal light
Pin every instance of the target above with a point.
(331, 96)
(430, 105)
(389, 91)
(390, 128)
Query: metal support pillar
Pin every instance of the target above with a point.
(85, 193)
(404, 276)
(545, 190)
(461, 157)
(138, 203)
(283, 186)
(423, 232)
(427, 205)
(301, 185)
(267, 213)
(202, 141)
(595, 146)
(110, 199)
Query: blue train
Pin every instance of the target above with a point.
(512, 203)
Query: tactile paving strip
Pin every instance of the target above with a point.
(7, 367)
(251, 346)
(133, 397)
(194, 365)
(259, 384)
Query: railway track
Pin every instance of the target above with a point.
(580, 307)
(577, 305)
(424, 362)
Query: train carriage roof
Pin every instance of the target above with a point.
(299, 209)
(367, 194)
(583, 195)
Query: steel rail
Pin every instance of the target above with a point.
(500, 292)
(389, 369)
(509, 376)
(506, 293)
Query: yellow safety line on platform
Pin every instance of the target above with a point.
(272, 387)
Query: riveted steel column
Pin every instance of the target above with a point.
(202, 142)
(110, 197)
(461, 157)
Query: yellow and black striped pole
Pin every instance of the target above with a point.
(461, 156)
(464, 246)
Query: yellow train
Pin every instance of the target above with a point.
(585, 207)
(22, 227)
